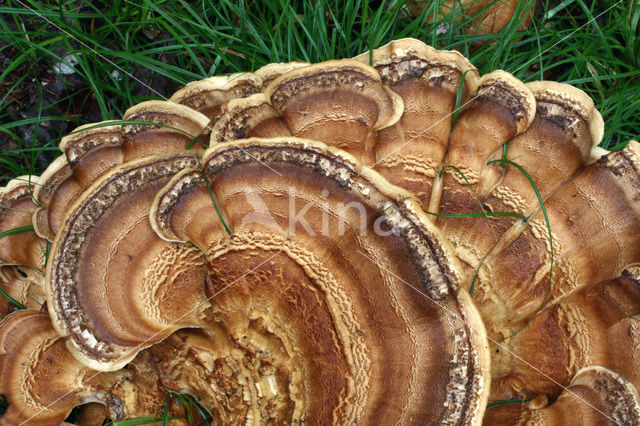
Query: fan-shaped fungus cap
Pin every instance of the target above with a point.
(326, 302)
(270, 72)
(107, 265)
(349, 357)
(596, 395)
(57, 191)
(410, 153)
(92, 149)
(582, 257)
(592, 326)
(20, 245)
(556, 145)
(339, 102)
(178, 127)
(206, 96)
(37, 392)
(42, 382)
(252, 116)
(501, 108)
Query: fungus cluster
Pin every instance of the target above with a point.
(331, 243)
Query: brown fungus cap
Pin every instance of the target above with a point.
(108, 271)
(596, 396)
(252, 116)
(365, 303)
(595, 325)
(206, 96)
(500, 109)
(339, 102)
(595, 223)
(25, 285)
(42, 382)
(92, 149)
(556, 145)
(485, 16)
(491, 16)
(270, 72)
(179, 127)
(36, 393)
(57, 191)
(16, 208)
(410, 153)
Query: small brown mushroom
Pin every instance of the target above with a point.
(491, 16)
(486, 16)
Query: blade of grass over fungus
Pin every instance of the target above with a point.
(506, 401)
(548, 224)
(456, 110)
(475, 195)
(215, 204)
(12, 300)
(15, 230)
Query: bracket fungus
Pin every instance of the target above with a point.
(331, 243)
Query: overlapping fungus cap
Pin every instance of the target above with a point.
(410, 153)
(16, 207)
(42, 382)
(596, 395)
(342, 312)
(33, 389)
(595, 325)
(300, 308)
(206, 96)
(587, 248)
(332, 301)
(339, 102)
(562, 135)
(90, 151)
(270, 72)
(24, 285)
(109, 276)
